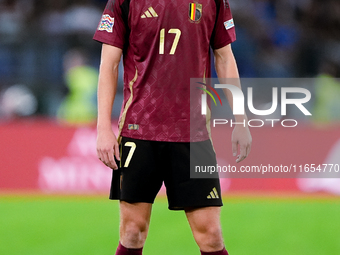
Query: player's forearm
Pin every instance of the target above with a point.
(107, 84)
(107, 88)
(226, 68)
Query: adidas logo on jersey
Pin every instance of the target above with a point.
(213, 194)
(150, 13)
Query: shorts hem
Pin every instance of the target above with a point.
(181, 208)
(131, 201)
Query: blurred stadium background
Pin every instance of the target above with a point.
(53, 190)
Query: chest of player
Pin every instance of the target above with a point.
(148, 20)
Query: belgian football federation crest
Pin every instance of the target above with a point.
(195, 11)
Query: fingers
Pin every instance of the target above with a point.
(244, 152)
(116, 151)
(241, 137)
(108, 157)
(112, 163)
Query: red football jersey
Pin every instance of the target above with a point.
(165, 43)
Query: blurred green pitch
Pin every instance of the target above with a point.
(54, 225)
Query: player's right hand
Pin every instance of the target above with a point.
(241, 138)
(108, 148)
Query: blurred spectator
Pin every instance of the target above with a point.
(52, 20)
(17, 101)
(13, 15)
(82, 17)
(327, 93)
(79, 106)
(271, 35)
(61, 17)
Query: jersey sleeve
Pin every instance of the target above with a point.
(112, 28)
(224, 30)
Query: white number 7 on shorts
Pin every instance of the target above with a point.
(132, 150)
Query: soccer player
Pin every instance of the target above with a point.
(164, 44)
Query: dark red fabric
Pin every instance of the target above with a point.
(121, 250)
(222, 252)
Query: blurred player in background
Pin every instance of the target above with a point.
(164, 44)
(79, 106)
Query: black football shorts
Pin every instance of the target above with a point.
(145, 165)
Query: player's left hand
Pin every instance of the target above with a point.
(241, 137)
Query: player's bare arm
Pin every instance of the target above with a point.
(226, 67)
(107, 145)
